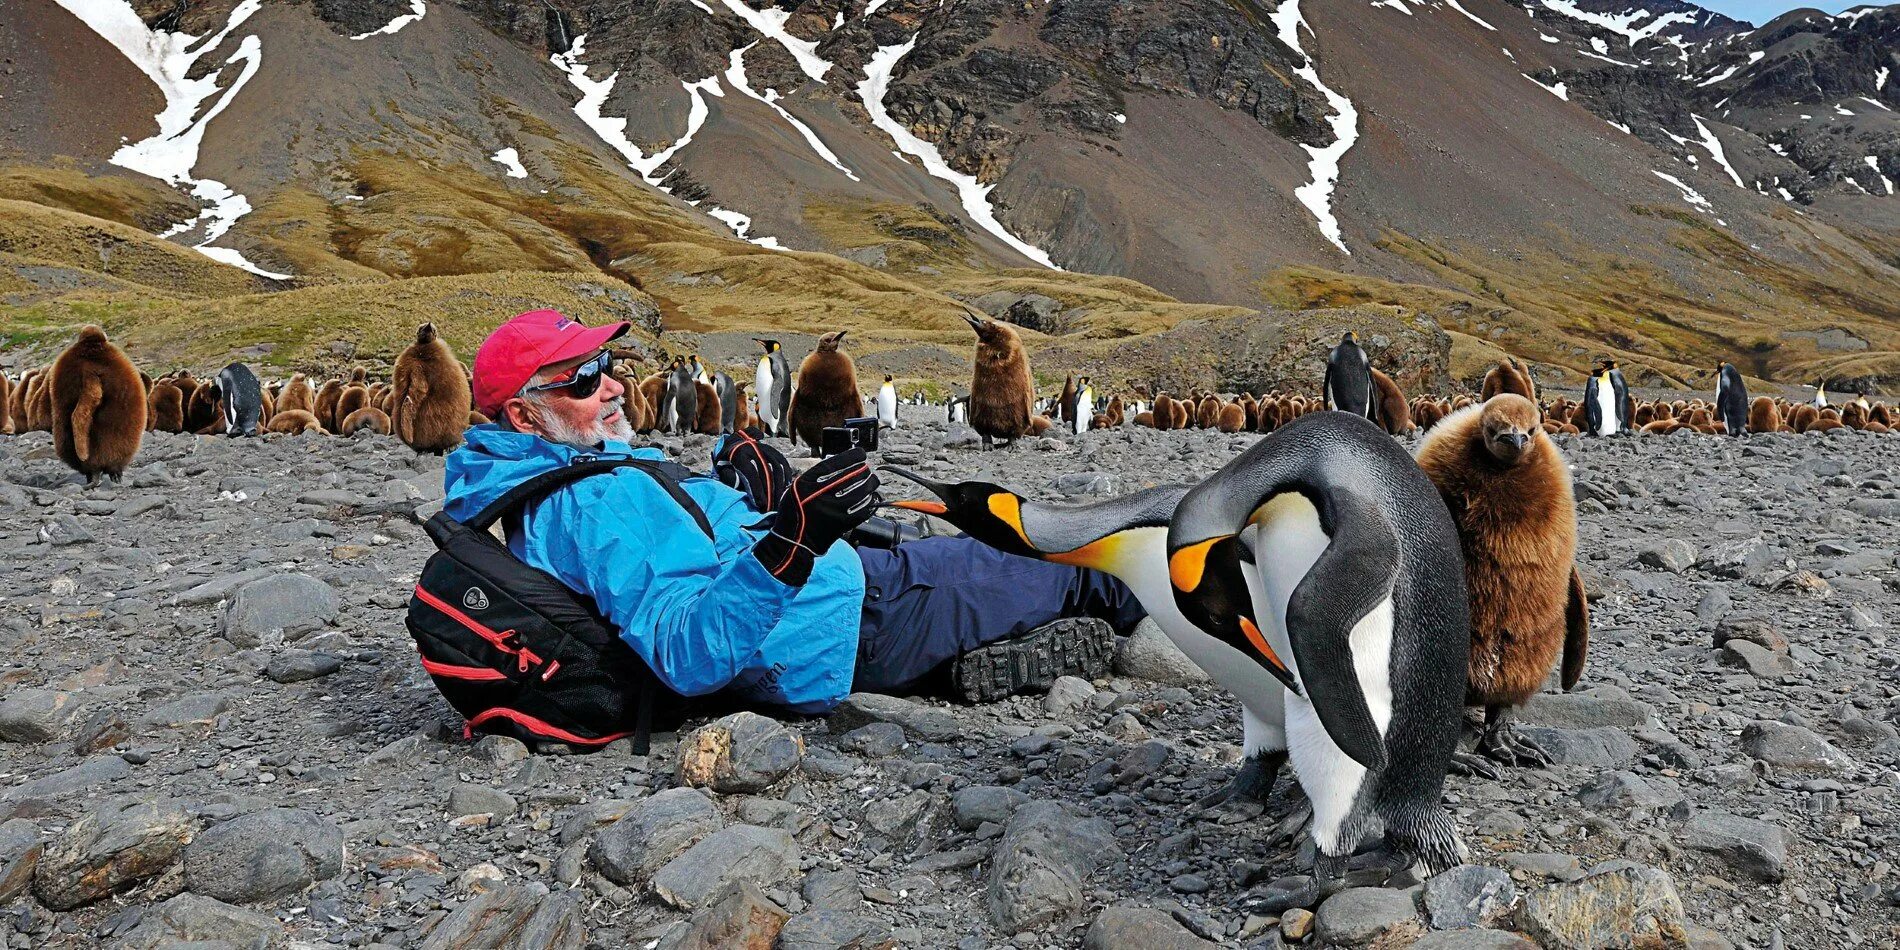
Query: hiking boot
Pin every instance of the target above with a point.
(1031, 662)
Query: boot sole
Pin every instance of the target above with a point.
(1031, 663)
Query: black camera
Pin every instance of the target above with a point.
(855, 433)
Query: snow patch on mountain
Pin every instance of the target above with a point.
(771, 24)
(1622, 24)
(1714, 146)
(742, 226)
(1874, 163)
(416, 10)
(511, 160)
(167, 59)
(1455, 5)
(1753, 58)
(736, 77)
(1317, 195)
(974, 194)
(1560, 90)
(1693, 197)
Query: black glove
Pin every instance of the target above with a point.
(823, 505)
(743, 461)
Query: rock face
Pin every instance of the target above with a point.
(263, 855)
(109, 850)
(1117, 927)
(195, 920)
(516, 918)
(1149, 654)
(1042, 863)
(1754, 848)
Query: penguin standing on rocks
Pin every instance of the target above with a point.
(98, 407)
(1332, 538)
(772, 388)
(242, 398)
(1349, 378)
(296, 394)
(1002, 393)
(429, 389)
(1065, 403)
(1731, 399)
(957, 409)
(1820, 395)
(1508, 489)
(681, 406)
(887, 403)
(1606, 401)
(728, 396)
(1083, 412)
(827, 391)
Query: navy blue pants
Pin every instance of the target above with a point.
(932, 600)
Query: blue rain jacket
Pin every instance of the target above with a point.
(703, 613)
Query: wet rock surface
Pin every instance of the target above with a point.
(303, 784)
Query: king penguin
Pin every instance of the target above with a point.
(887, 404)
(1330, 535)
(1606, 401)
(1820, 395)
(772, 387)
(1349, 378)
(1084, 411)
(242, 398)
(1731, 399)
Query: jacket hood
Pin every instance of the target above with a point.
(493, 460)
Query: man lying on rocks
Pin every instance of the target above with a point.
(777, 608)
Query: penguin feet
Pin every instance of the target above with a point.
(1499, 744)
(1244, 798)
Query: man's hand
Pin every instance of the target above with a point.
(743, 461)
(823, 505)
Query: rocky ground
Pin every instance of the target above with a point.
(216, 730)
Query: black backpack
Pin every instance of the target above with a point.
(517, 652)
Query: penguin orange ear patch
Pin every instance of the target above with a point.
(1186, 566)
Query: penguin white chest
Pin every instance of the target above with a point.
(887, 406)
(1606, 408)
(762, 392)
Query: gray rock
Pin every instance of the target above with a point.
(1737, 558)
(897, 818)
(1620, 904)
(1604, 747)
(1793, 747)
(216, 589)
(1673, 555)
(652, 832)
(1116, 928)
(109, 850)
(1757, 660)
(37, 715)
(1584, 711)
(973, 805)
(1556, 867)
(498, 750)
(263, 856)
(1086, 483)
(1472, 940)
(834, 930)
(201, 921)
(743, 752)
(927, 723)
(1066, 695)
(1753, 630)
(877, 740)
(20, 850)
(96, 772)
(279, 607)
(763, 856)
(1714, 605)
(511, 918)
(833, 890)
(1468, 895)
(1755, 848)
(1367, 917)
(1041, 863)
(739, 916)
(1285, 893)
(189, 710)
(295, 666)
(1628, 790)
(1148, 654)
(467, 798)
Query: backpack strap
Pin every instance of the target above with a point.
(666, 474)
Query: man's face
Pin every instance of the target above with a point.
(558, 415)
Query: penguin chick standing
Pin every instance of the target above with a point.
(827, 391)
(429, 390)
(98, 406)
(1002, 393)
(1731, 399)
(887, 403)
(1349, 378)
(1508, 489)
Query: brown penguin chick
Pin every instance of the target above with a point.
(1880, 415)
(353, 397)
(1854, 416)
(1117, 412)
(1389, 401)
(16, 402)
(1207, 412)
(39, 403)
(368, 417)
(1040, 424)
(1183, 411)
(1508, 488)
(297, 395)
(827, 394)
(1162, 415)
(1825, 424)
(98, 406)
(653, 390)
(431, 394)
(1065, 403)
(202, 412)
(1002, 393)
(165, 408)
(327, 396)
(6, 397)
(1504, 377)
(1231, 418)
(1661, 427)
(707, 422)
(293, 422)
(1145, 419)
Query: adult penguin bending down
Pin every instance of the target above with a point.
(1330, 535)
(1349, 378)
(1731, 399)
(1508, 488)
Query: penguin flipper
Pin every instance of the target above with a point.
(1350, 579)
(1576, 631)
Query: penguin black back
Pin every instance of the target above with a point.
(243, 399)
(1731, 399)
(1349, 378)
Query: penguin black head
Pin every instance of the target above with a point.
(770, 346)
(989, 513)
(888, 377)
(1212, 593)
(1508, 424)
(1350, 337)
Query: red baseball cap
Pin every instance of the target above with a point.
(519, 348)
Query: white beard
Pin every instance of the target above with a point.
(555, 429)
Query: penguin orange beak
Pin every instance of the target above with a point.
(927, 507)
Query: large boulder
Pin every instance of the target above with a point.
(743, 752)
(263, 856)
(108, 851)
(1042, 861)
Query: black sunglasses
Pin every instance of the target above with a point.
(583, 379)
